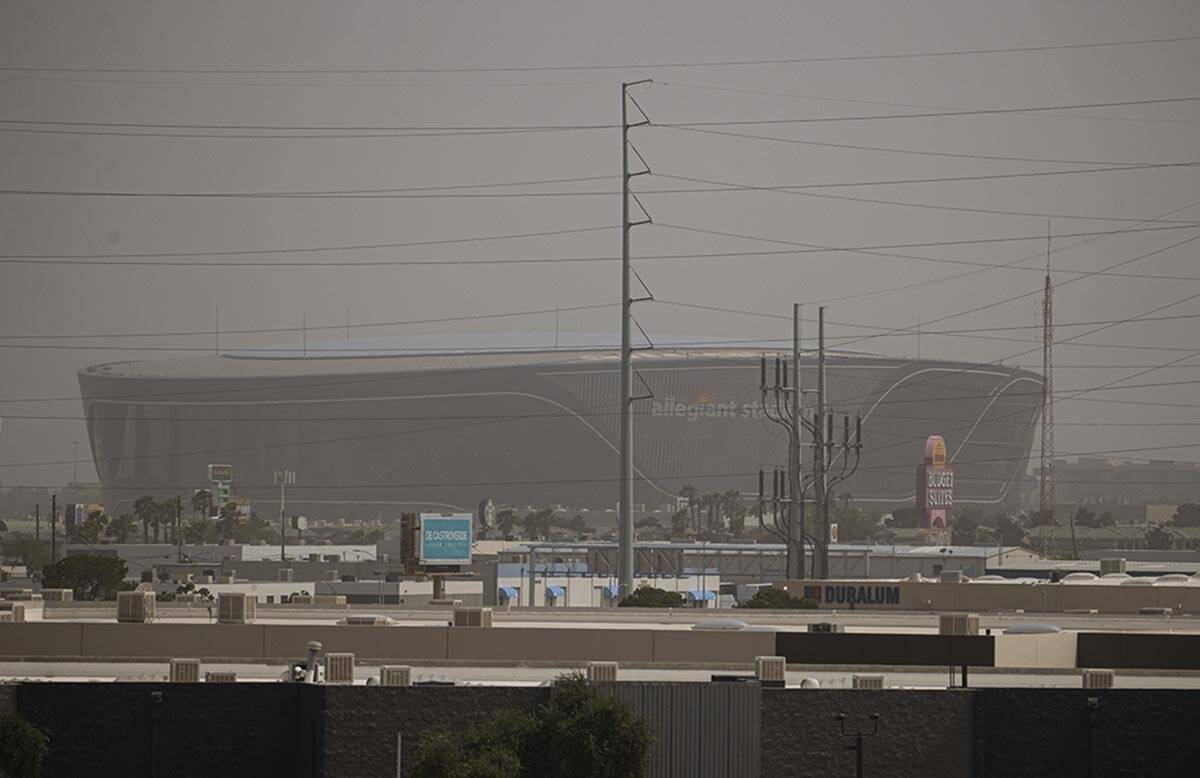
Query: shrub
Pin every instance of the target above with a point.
(578, 733)
(22, 747)
(650, 597)
(778, 599)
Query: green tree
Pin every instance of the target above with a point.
(1010, 530)
(580, 732)
(91, 577)
(200, 531)
(22, 747)
(92, 527)
(25, 549)
(201, 503)
(681, 522)
(855, 524)
(692, 494)
(906, 517)
(1159, 538)
(778, 599)
(506, 520)
(229, 522)
(1187, 515)
(120, 528)
(537, 524)
(651, 597)
(145, 509)
(1085, 518)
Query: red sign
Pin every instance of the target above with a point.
(935, 490)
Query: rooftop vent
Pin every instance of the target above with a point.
(184, 671)
(339, 668)
(958, 624)
(601, 671)
(395, 675)
(1098, 679)
(235, 607)
(859, 681)
(135, 607)
(472, 617)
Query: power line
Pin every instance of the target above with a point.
(623, 66)
(894, 150)
(921, 106)
(803, 249)
(316, 249)
(930, 114)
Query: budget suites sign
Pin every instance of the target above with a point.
(935, 490)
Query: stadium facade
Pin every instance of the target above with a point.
(378, 432)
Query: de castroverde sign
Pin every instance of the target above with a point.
(446, 538)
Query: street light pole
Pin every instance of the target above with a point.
(283, 478)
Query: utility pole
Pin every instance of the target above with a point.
(820, 496)
(178, 526)
(37, 522)
(283, 478)
(625, 496)
(53, 530)
(795, 557)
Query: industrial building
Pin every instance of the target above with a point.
(378, 428)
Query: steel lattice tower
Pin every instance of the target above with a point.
(1046, 491)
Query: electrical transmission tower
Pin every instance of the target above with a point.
(789, 486)
(1046, 490)
(625, 496)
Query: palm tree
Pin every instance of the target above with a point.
(201, 503)
(121, 528)
(145, 510)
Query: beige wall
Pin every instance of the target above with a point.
(992, 596)
(1054, 650)
(289, 641)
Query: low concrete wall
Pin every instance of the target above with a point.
(289, 641)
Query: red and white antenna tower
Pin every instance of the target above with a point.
(1046, 492)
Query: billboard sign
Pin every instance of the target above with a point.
(445, 538)
(935, 490)
(220, 473)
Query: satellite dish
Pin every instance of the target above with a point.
(487, 513)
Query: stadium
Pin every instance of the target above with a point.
(374, 427)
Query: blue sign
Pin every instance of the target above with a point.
(446, 538)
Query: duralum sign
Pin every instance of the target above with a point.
(844, 594)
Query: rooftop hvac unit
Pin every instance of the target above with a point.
(58, 595)
(285, 574)
(329, 599)
(1112, 565)
(472, 617)
(826, 627)
(184, 671)
(1098, 679)
(365, 621)
(770, 668)
(331, 575)
(858, 681)
(958, 624)
(220, 676)
(952, 576)
(187, 578)
(235, 607)
(314, 557)
(5, 616)
(15, 608)
(601, 671)
(228, 579)
(135, 607)
(14, 595)
(339, 668)
(395, 675)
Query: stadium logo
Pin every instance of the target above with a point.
(704, 405)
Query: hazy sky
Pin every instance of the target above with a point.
(148, 40)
